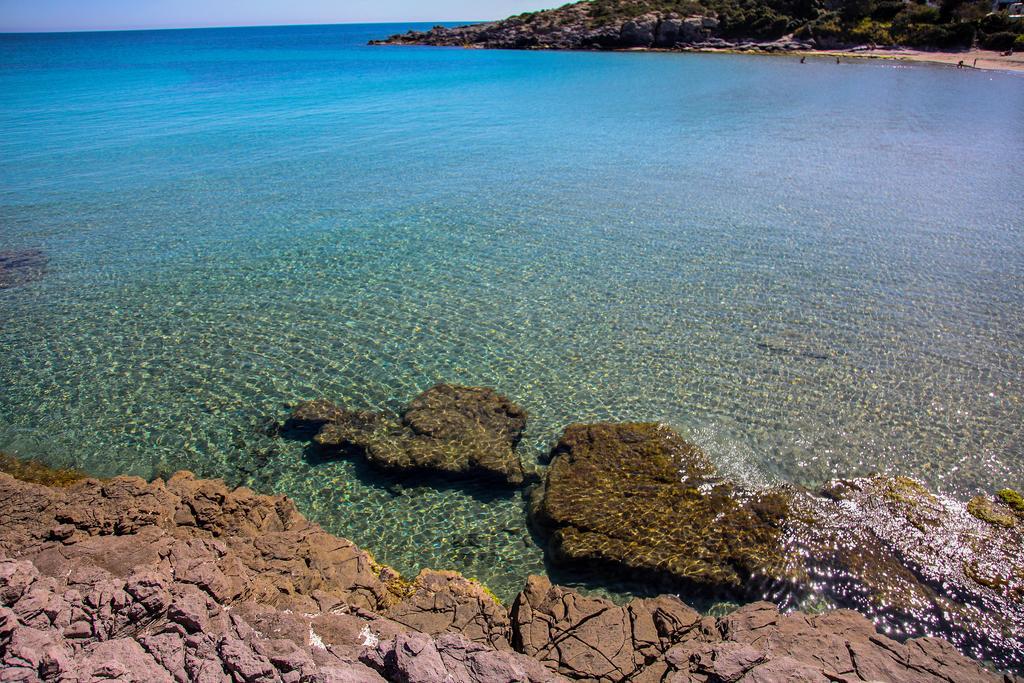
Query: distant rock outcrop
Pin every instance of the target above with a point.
(582, 26)
(186, 580)
(450, 430)
(568, 28)
(734, 25)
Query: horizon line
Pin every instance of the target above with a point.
(17, 32)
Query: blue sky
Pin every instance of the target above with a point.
(88, 15)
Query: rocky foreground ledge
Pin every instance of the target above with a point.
(185, 580)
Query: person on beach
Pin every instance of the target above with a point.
(803, 60)
(960, 64)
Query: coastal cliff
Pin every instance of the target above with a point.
(184, 579)
(783, 25)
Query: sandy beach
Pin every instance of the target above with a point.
(979, 59)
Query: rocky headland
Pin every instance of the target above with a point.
(877, 28)
(186, 580)
(575, 27)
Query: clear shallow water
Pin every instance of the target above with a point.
(813, 270)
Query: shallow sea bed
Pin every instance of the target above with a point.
(811, 270)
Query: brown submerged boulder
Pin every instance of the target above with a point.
(21, 267)
(639, 497)
(451, 430)
(916, 561)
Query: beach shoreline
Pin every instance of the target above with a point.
(983, 60)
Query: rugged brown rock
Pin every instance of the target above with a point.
(450, 430)
(664, 640)
(186, 580)
(594, 639)
(637, 495)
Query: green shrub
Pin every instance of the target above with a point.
(994, 23)
(973, 10)
(1018, 44)
(885, 10)
(929, 35)
(869, 31)
(755, 22)
(1003, 40)
(825, 29)
(925, 15)
(853, 11)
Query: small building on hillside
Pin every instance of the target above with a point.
(1015, 8)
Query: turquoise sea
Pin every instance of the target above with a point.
(813, 270)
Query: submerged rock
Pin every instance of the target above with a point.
(917, 562)
(1014, 500)
(36, 472)
(20, 267)
(641, 500)
(636, 495)
(451, 430)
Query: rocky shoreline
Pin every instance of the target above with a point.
(573, 28)
(636, 501)
(186, 580)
